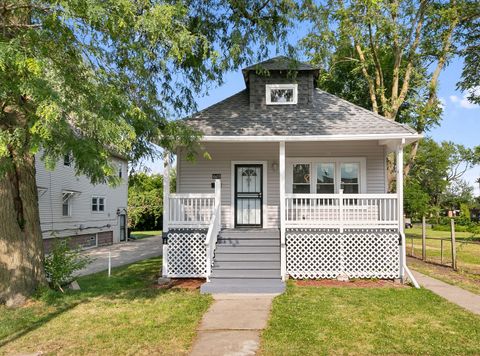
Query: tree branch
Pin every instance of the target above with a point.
(371, 86)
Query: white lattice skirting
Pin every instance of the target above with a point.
(359, 254)
(187, 254)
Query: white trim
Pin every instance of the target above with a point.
(337, 160)
(409, 138)
(264, 193)
(283, 252)
(269, 87)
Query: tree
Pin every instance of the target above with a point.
(145, 200)
(470, 81)
(437, 174)
(90, 77)
(394, 51)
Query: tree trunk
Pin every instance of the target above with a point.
(21, 244)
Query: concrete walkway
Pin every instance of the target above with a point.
(456, 295)
(122, 253)
(232, 325)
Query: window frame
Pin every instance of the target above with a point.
(120, 170)
(269, 87)
(314, 161)
(309, 184)
(69, 208)
(97, 204)
(67, 160)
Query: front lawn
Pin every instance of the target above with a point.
(356, 321)
(142, 234)
(123, 314)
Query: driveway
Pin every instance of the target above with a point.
(122, 253)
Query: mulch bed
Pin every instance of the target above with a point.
(355, 283)
(183, 283)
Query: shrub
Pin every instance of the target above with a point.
(62, 262)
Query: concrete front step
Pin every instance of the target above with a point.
(246, 273)
(247, 265)
(245, 285)
(246, 249)
(247, 242)
(237, 257)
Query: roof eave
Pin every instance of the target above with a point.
(408, 138)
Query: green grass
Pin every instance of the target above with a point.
(120, 315)
(468, 255)
(382, 321)
(143, 234)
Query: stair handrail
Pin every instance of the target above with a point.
(213, 230)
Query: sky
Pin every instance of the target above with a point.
(460, 123)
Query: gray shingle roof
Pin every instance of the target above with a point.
(329, 115)
(281, 63)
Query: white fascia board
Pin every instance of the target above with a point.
(409, 138)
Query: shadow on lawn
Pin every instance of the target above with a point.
(131, 282)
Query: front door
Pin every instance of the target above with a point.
(248, 195)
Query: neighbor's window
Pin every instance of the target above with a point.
(120, 170)
(350, 177)
(301, 178)
(326, 178)
(66, 207)
(281, 94)
(67, 160)
(98, 204)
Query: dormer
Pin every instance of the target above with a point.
(280, 82)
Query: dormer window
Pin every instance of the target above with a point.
(281, 94)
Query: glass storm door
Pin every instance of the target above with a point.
(248, 195)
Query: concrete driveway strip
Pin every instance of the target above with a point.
(122, 253)
(232, 325)
(454, 294)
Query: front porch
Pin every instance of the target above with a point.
(321, 235)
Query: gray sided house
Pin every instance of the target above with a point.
(296, 187)
(73, 208)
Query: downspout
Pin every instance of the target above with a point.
(407, 270)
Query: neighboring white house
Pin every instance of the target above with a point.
(296, 187)
(71, 206)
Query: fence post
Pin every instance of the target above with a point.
(454, 250)
(441, 251)
(424, 239)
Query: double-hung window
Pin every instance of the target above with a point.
(350, 177)
(98, 204)
(325, 178)
(301, 178)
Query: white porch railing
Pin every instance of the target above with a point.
(190, 210)
(341, 211)
(213, 229)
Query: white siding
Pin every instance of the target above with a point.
(64, 178)
(196, 177)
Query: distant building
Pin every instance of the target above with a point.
(72, 207)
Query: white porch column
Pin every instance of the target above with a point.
(283, 252)
(166, 205)
(401, 223)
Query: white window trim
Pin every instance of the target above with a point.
(269, 87)
(104, 204)
(362, 161)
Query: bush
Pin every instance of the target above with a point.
(62, 262)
